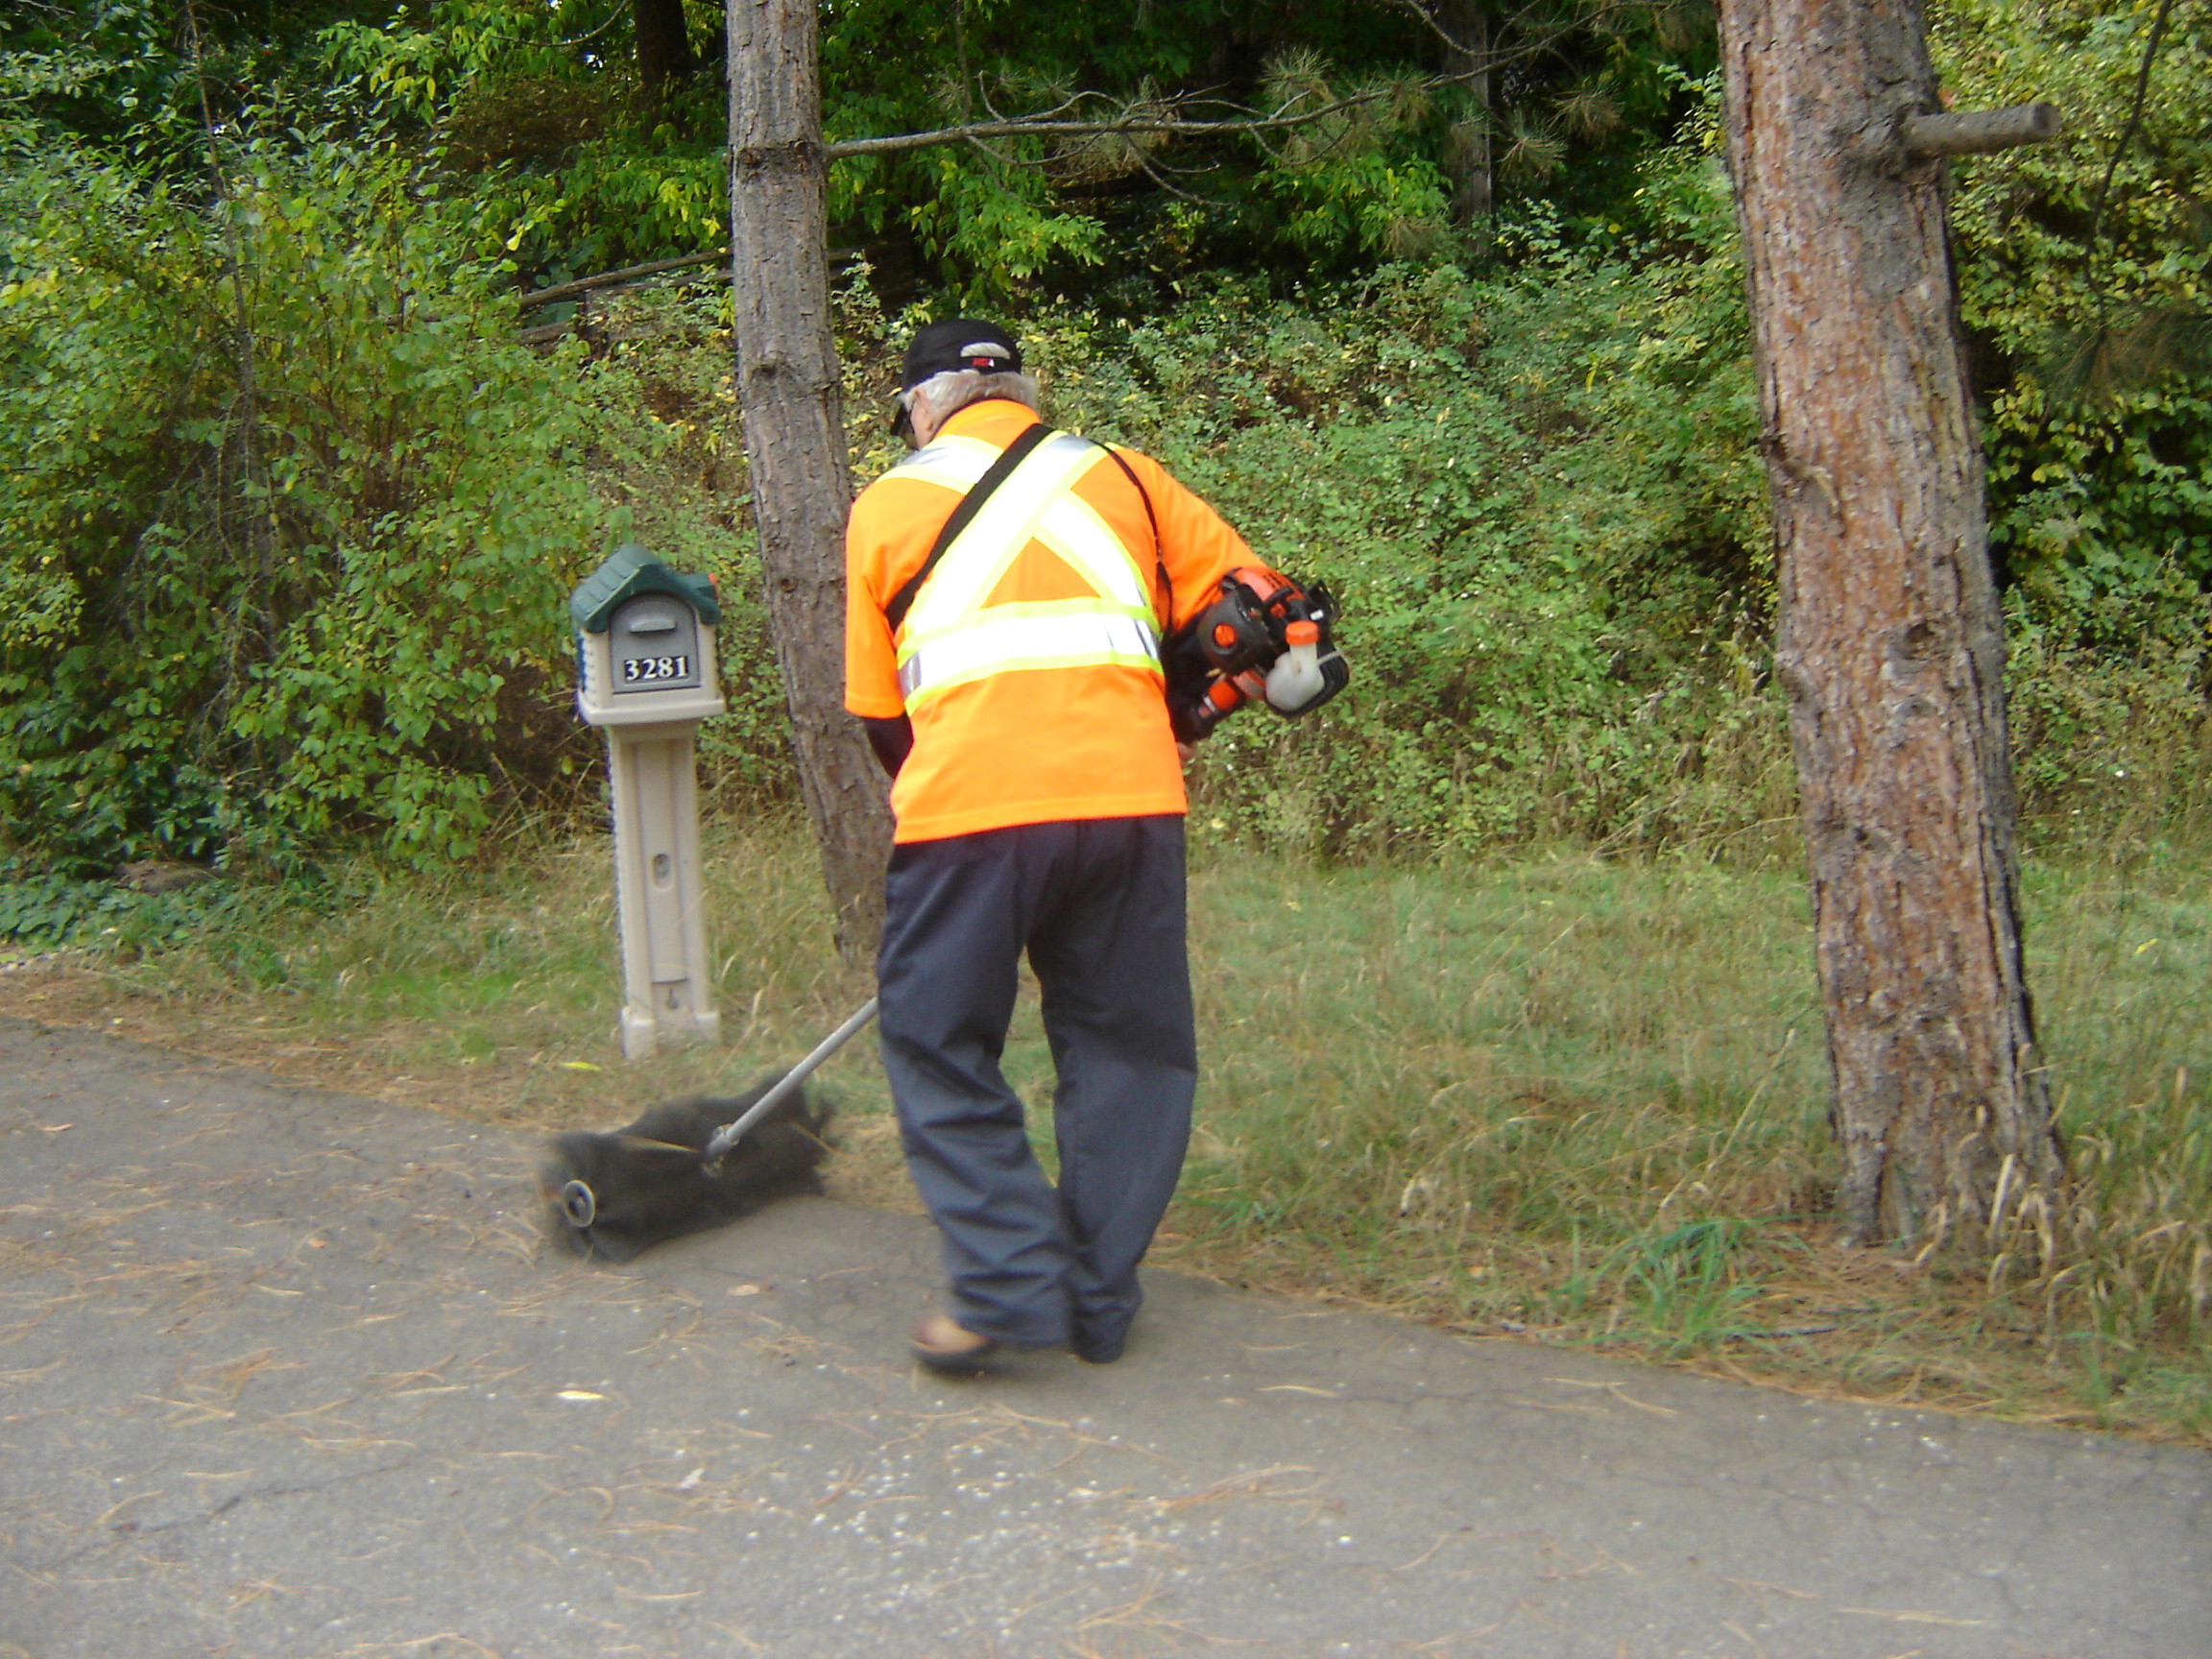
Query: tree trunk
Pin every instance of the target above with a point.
(1467, 154)
(1889, 642)
(788, 396)
(663, 43)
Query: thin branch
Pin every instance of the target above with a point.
(1427, 15)
(612, 17)
(2134, 119)
(1539, 40)
(960, 51)
(2095, 344)
(1128, 126)
(1161, 179)
(262, 529)
(1152, 161)
(516, 37)
(1074, 101)
(628, 273)
(1540, 35)
(636, 279)
(1003, 160)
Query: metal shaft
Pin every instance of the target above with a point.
(729, 1135)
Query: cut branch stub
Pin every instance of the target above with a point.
(1975, 132)
(797, 153)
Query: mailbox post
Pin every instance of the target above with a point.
(646, 674)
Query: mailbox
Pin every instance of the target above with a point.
(645, 673)
(644, 642)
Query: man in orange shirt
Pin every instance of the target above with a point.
(1008, 588)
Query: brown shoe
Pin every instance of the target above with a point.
(943, 1345)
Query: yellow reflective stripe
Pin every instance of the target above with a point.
(956, 462)
(1073, 528)
(979, 554)
(995, 645)
(1031, 609)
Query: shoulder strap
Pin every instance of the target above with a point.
(971, 504)
(1159, 555)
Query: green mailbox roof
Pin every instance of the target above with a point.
(630, 572)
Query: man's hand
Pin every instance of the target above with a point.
(1186, 751)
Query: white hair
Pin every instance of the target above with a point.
(938, 397)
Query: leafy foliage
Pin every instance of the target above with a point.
(1364, 173)
(1537, 498)
(285, 515)
(544, 113)
(40, 912)
(2098, 504)
(559, 124)
(289, 513)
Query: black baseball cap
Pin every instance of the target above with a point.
(962, 343)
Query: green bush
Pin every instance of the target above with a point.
(325, 604)
(257, 612)
(2076, 261)
(2098, 454)
(41, 912)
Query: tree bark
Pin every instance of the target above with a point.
(1466, 54)
(790, 397)
(1889, 642)
(664, 44)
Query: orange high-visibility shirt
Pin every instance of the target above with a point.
(1014, 723)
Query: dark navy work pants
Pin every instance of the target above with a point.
(1099, 906)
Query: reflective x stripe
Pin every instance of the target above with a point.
(1013, 517)
(950, 636)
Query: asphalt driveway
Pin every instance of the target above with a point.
(287, 1374)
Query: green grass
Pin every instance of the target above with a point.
(1588, 1099)
(1565, 1097)
(494, 992)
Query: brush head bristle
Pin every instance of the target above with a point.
(616, 1194)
